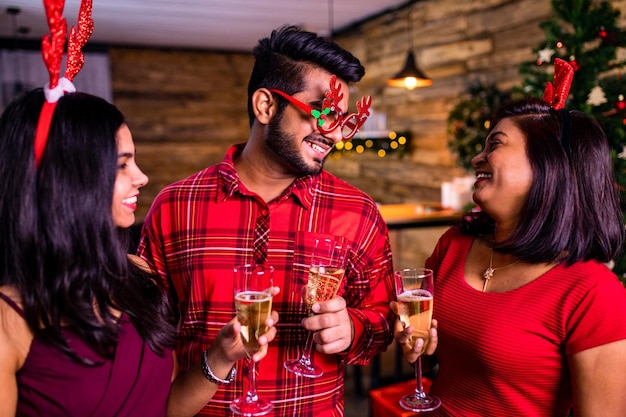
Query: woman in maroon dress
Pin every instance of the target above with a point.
(84, 330)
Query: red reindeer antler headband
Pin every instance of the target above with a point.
(52, 47)
(556, 94)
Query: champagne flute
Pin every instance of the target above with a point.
(253, 301)
(328, 266)
(414, 290)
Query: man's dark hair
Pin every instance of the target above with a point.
(282, 59)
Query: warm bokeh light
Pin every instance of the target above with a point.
(391, 143)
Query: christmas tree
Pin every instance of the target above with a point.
(588, 37)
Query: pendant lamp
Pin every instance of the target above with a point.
(410, 76)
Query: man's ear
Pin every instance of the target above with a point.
(264, 105)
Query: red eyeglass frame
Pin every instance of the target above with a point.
(329, 105)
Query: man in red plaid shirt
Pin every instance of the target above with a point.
(262, 204)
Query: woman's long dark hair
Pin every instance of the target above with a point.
(60, 248)
(572, 212)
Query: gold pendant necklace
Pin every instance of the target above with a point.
(488, 274)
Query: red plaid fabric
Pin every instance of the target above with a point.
(202, 226)
(261, 236)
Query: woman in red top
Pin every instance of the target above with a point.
(530, 320)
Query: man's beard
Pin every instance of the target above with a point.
(287, 147)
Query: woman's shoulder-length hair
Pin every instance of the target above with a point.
(572, 212)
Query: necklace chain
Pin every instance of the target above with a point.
(488, 274)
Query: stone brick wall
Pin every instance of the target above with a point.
(186, 107)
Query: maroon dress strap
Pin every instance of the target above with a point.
(13, 305)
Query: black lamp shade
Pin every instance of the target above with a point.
(410, 76)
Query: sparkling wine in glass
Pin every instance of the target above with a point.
(328, 266)
(414, 290)
(253, 302)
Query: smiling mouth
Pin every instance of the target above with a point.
(130, 200)
(319, 148)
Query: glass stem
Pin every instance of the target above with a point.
(251, 395)
(308, 346)
(419, 389)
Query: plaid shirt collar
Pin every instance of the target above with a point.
(229, 181)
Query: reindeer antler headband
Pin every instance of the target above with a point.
(555, 95)
(52, 47)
